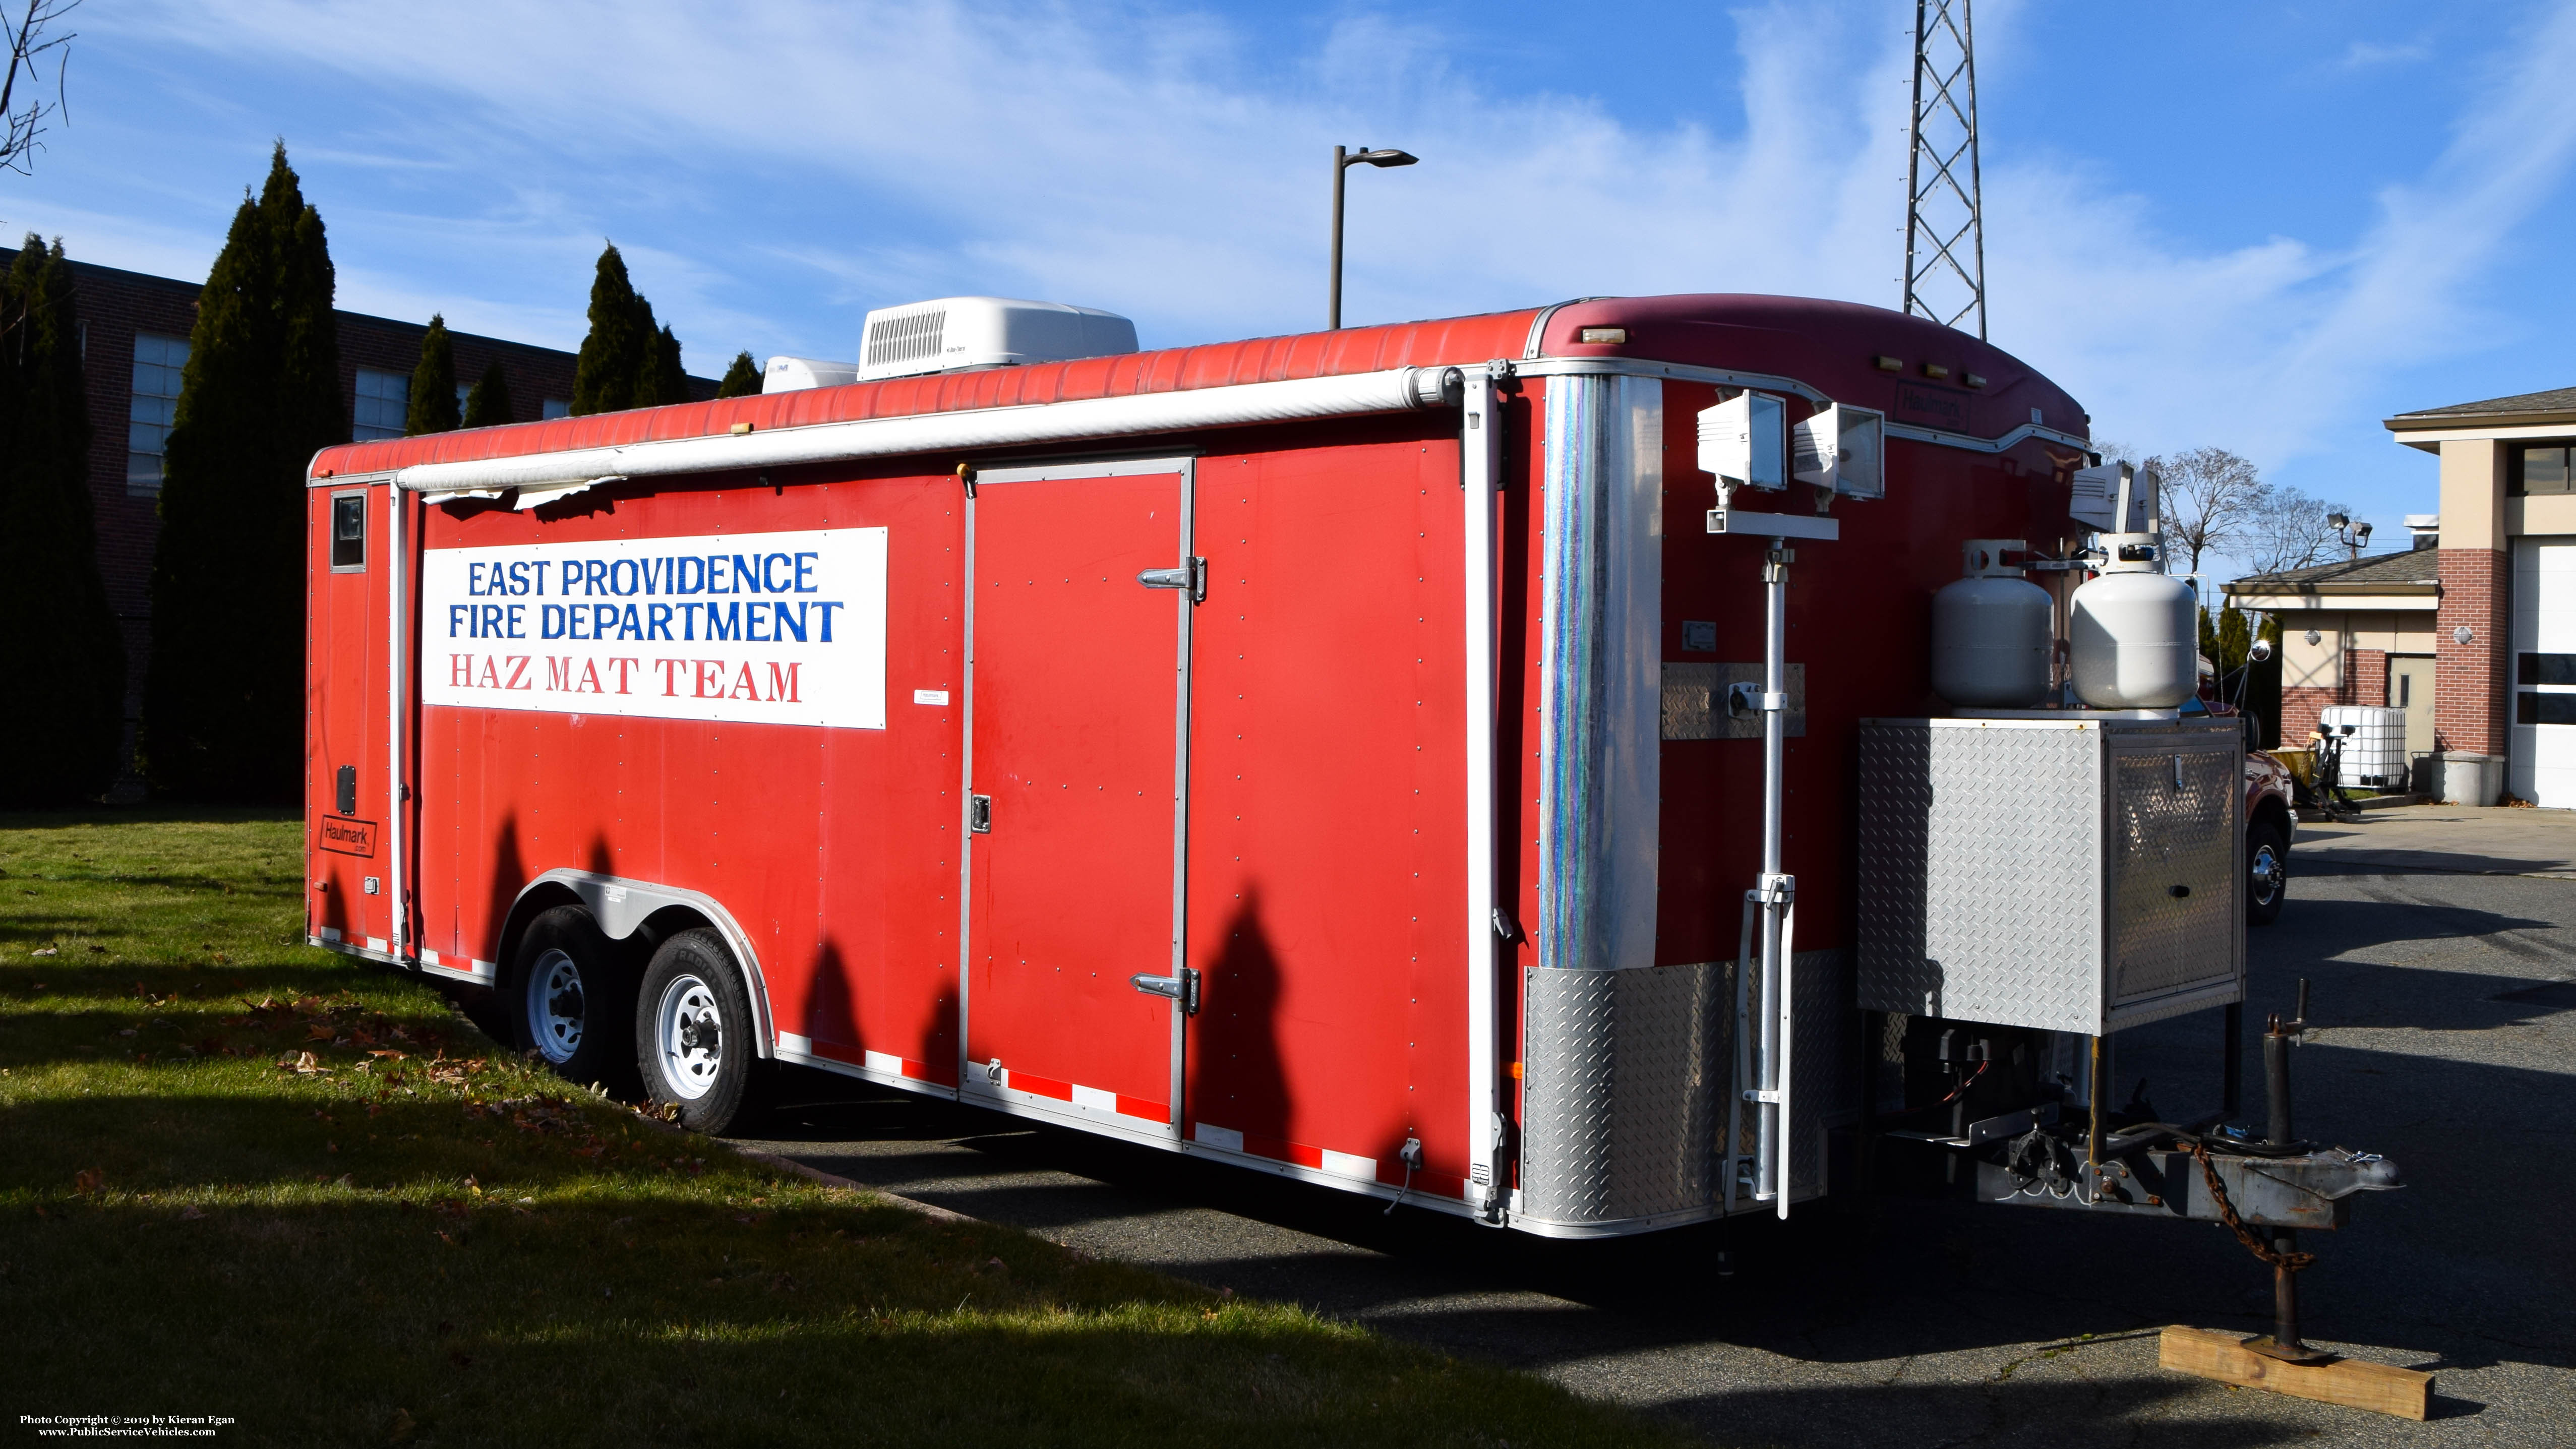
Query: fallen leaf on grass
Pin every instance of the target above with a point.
(317, 1033)
(402, 1426)
(43, 950)
(88, 1180)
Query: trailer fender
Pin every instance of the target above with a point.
(623, 907)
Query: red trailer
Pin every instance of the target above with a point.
(1381, 757)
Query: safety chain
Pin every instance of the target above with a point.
(2292, 1262)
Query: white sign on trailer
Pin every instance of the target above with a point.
(771, 628)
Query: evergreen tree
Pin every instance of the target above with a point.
(60, 739)
(742, 379)
(223, 709)
(670, 381)
(433, 384)
(619, 352)
(488, 404)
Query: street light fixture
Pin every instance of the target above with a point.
(1343, 160)
(2353, 536)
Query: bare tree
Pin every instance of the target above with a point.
(2289, 531)
(2211, 497)
(28, 48)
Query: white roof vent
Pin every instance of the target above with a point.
(793, 374)
(952, 334)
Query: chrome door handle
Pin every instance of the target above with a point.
(1191, 576)
(1183, 988)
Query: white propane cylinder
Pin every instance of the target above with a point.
(2134, 633)
(1990, 633)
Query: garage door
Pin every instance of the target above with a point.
(2543, 762)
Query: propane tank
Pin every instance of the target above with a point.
(2134, 631)
(1990, 632)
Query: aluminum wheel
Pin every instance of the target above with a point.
(555, 1006)
(2268, 874)
(688, 1037)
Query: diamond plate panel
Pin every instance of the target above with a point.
(1980, 872)
(2047, 873)
(1620, 1091)
(2175, 808)
(1694, 705)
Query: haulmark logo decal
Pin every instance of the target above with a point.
(340, 834)
(775, 628)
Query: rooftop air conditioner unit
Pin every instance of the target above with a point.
(952, 334)
(793, 374)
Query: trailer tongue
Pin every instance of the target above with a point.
(1175, 745)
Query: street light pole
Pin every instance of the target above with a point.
(1343, 160)
(1333, 307)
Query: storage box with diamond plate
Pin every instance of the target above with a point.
(2078, 874)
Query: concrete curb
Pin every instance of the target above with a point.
(825, 1179)
(814, 1175)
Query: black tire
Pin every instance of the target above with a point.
(572, 999)
(694, 1039)
(2267, 872)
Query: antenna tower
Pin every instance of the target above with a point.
(1945, 230)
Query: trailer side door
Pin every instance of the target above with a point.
(1078, 639)
(349, 809)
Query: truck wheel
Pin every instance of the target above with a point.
(693, 1032)
(2267, 871)
(575, 1000)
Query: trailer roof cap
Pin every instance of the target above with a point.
(955, 334)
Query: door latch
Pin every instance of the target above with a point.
(1191, 576)
(979, 814)
(1183, 988)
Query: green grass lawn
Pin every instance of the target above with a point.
(243, 1178)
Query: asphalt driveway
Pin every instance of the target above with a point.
(2442, 945)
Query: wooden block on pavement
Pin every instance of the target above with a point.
(2355, 1383)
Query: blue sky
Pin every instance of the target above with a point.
(2261, 227)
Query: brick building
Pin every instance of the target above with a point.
(134, 333)
(2502, 602)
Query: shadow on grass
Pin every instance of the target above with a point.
(643, 1318)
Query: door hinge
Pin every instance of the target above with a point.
(1191, 576)
(979, 814)
(1183, 988)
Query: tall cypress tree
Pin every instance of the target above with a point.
(433, 384)
(741, 379)
(618, 353)
(59, 742)
(670, 381)
(487, 405)
(223, 709)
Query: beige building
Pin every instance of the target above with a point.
(2355, 632)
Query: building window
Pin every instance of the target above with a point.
(556, 408)
(158, 361)
(2545, 669)
(2537, 468)
(384, 398)
(2544, 709)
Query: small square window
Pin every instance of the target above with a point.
(556, 408)
(348, 531)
